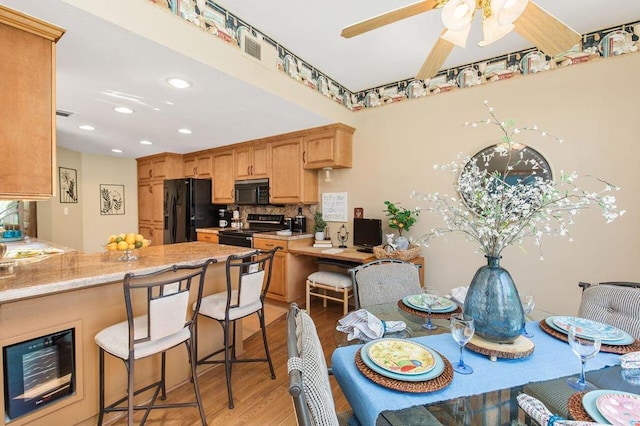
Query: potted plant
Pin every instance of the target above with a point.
(319, 226)
(401, 219)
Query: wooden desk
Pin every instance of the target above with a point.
(349, 257)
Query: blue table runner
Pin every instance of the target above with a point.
(551, 358)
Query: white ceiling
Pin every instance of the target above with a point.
(95, 57)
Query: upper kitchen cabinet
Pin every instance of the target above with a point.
(252, 161)
(223, 176)
(160, 167)
(329, 146)
(27, 106)
(290, 182)
(198, 165)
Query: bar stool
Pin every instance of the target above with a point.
(321, 282)
(243, 297)
(157, 306)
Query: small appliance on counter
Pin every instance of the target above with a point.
(224, 218)
(299, 222)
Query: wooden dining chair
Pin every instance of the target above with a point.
(384, 281)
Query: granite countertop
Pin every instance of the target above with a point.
(74, 270)
(208, 230)
(273, 236)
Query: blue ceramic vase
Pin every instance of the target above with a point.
(493, 302)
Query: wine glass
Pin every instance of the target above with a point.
(528, 303)
(429, 298)
(585, 349)
(462, 329)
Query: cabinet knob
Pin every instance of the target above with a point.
(150, 173)
(304, 156)
(150, 189)
(195, 170)
(151, 232)
(249, 170)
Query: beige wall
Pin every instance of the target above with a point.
(80, 225)
(593, 107)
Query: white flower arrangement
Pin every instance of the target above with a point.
(496, 212)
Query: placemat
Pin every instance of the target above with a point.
(635, 346)
(576, 409)
(435, 384)
(443, 315)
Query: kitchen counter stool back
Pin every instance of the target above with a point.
(248, 279)
(161, 321)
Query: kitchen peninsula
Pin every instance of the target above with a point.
(84, 292)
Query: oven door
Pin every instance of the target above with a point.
(239, 240)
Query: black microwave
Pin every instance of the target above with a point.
(252, 192)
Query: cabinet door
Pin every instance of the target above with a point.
(145, 203)
(204, 167)
(328, 148)
(244, 162)
(145, 170)
(223, 177)
(278, 276)
(189, 166)
(146, 230)
(290, 183)
(260, 167)
(157, 200)
(27, 132)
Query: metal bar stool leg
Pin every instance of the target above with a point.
(264, 339)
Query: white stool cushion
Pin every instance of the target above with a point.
(115, 339)
(333, 279)
(214, 306)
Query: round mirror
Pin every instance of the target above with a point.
(512, 163)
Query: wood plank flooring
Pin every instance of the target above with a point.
(258, 399)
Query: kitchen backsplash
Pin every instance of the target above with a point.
(287, 211)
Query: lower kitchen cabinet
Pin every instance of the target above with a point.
(290, 271)
(208, 237)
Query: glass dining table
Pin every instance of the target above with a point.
(485, 397)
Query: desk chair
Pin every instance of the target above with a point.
(244, 297)
(384, 281)
(157, 320)
(309, 385)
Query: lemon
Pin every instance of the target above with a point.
(122, 245)
(112, 238)
(131, 246)
(112, 246)
(145, 243)
(123, 236)
(139, 238)
(130, 239)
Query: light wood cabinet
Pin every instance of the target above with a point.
(251, 161)
(198, 165)
(152, 172)
(329, 148)
(27, 105)
(290, 182)
(208, 237)
(223, 177)
(290, 271)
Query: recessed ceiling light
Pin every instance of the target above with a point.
(124, 110)
(168, 102)
(86, 127)
(118, 151)
(178, 83)
(146, 142)
(185, 131)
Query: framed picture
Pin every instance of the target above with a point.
(358, 213)
(111, 199)
(68, 180)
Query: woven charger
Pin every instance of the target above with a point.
(576, 409)
(432, 385)
(613, 349)
(412, 252)
(444, 315)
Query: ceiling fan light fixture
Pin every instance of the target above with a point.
(458, 14)
(459, 38)
(492, 31)
(507, 11)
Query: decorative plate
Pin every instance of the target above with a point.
(589, 402)
(443, 304)
(589, 329)
(619, 410)
(401, 356)
(626, 340)
(434, 372)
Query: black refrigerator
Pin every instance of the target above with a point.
(187, 206)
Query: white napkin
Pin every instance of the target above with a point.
(363, 325)
(458, 294)
(542, 415)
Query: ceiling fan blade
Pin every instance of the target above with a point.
(436, 58)
(389, 18)
(545, 31)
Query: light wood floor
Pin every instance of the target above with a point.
(258, 399)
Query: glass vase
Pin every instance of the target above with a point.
(493, 302)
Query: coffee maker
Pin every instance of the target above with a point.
(224, 218)
(299, 222)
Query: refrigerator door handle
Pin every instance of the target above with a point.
(174, 225)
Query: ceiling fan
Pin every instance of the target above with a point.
(500, 17)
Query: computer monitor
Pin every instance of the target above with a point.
(367, 233)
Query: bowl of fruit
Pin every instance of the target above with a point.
(126, 243)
